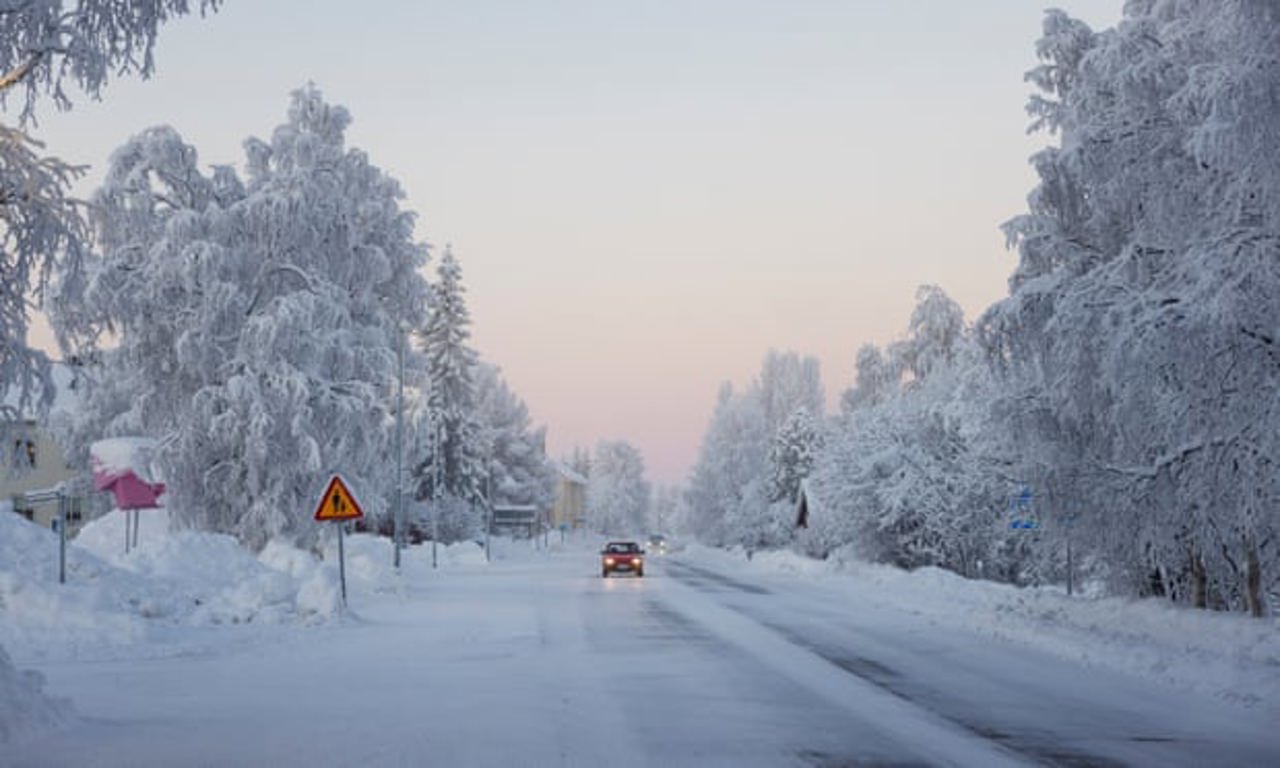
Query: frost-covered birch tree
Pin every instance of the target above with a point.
(44, 45)
(257, 320)
(731, 483)
(618, 495)
(515, 454)
(1140, 333)
(907, 474)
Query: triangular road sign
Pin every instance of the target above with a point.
(337, 503)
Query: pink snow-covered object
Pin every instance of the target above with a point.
(122, 466)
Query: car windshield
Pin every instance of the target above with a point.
(624, 548)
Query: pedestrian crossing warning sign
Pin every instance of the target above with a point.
(337, 503)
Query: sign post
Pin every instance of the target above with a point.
(60, 521)
(339, 505)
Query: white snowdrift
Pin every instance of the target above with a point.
(1228, 656)
(114, 601)
(24, 709)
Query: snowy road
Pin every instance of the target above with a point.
(534, 660)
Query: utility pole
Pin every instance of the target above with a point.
(398, 534)
(488, 502)
(435, 494)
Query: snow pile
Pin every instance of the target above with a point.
(1228, 656)
(112, 599)
(24, 709)
(39, 614)
(177, 579)
(198, 578)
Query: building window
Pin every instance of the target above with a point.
(24, 453)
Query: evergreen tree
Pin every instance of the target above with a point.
(792, 455)
(454, 464)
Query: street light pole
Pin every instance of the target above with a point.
(488, 500)
(435, 493)
(398, 534)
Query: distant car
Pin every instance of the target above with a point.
(657, 543)
(621, 556)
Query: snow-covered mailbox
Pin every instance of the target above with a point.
(122, 467)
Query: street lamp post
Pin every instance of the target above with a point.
(488, 502)
(435, 494)
(398, 534)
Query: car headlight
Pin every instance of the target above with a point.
(608, 561)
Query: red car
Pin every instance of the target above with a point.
(621, 556)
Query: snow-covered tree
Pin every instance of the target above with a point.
(40, 227)
(730, 469)
(515, 452)
(669, 511)
(935, 331)
(1139, 338)
(618, 494)
(787, 382)
(914, 471)
(452, 463)
(730, 487)
(792, 454)
(257, 320)
(875, 379)
(43, 45)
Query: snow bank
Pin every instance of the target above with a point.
(24, 709)
(172, 579)
(1228, 656)
(175, 579)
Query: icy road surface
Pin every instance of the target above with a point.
(534, 660)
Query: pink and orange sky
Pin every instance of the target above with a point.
(645, 196)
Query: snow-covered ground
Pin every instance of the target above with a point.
(1230, 657)
(189, 649)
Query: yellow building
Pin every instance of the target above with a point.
(570, 507)
(32, 461)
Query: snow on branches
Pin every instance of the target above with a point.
(257, 321)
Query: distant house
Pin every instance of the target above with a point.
(570, 507)
(33, 462)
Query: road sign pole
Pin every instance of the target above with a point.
(62, 539)
(337, 504)
(342, 565)
(1070, 570)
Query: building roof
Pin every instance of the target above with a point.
(568, 473)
